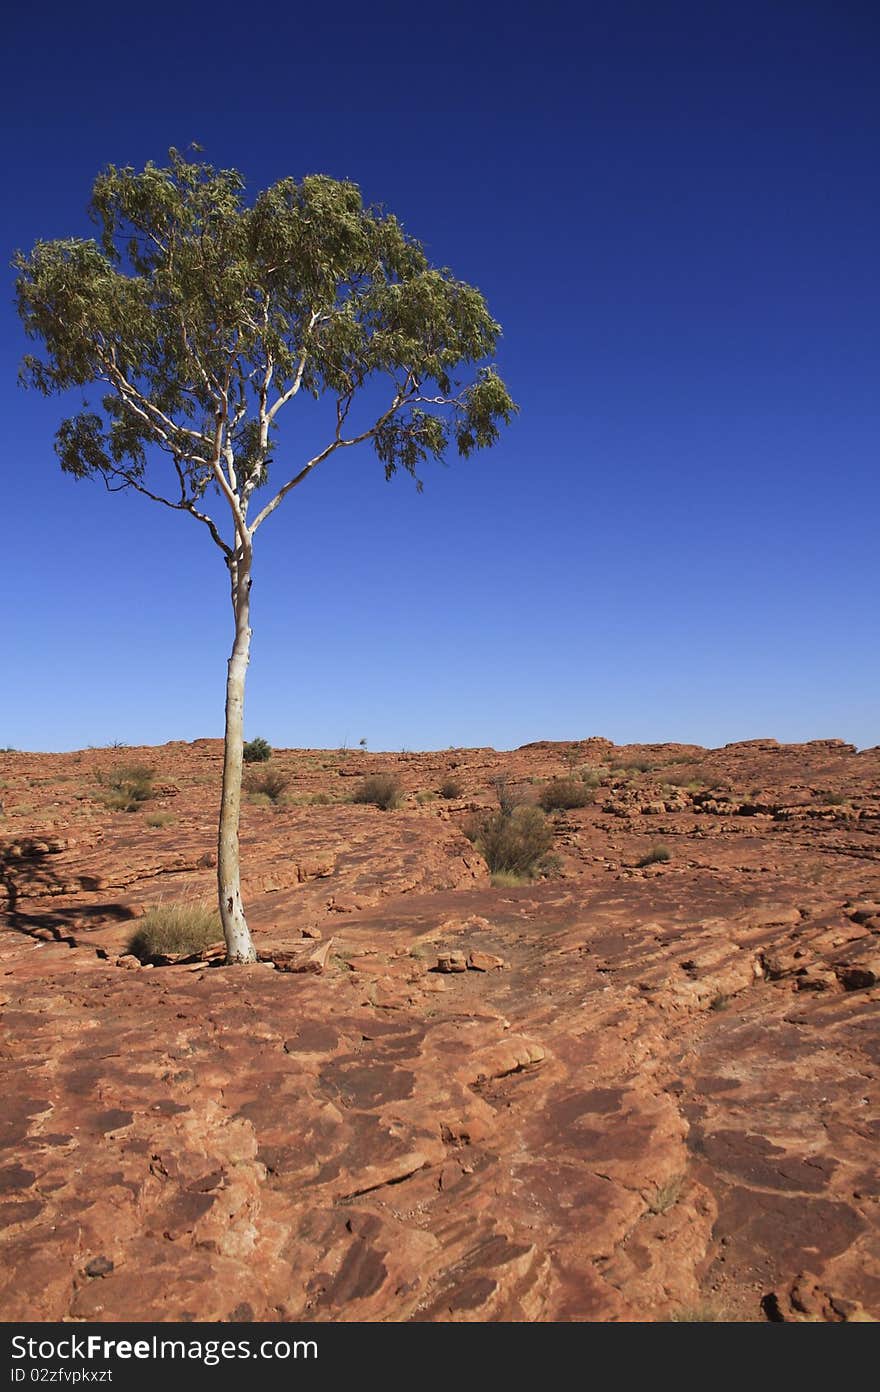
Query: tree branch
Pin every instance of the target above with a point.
(148, 410)
(335, 444)
(185, 504)
(297, 381)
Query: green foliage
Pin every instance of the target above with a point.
(690, 782)
(563, 793)
(380, 789)
(450, 789)
(196, 316)
(592, 777)
(126, 786)
(256, 751)
(176, 929)
(657, 855)
(512, 842)
(271, 784)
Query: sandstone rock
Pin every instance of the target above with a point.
(483, 961)
(451, 962)
(808, 1299)
(863, 912)
(398, 1143)
(858, 976)
(313, 961)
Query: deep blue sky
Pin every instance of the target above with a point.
(672, 209)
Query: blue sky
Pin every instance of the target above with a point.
(673, 211)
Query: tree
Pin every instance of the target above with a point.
(192, 323)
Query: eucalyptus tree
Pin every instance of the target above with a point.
(192, 322)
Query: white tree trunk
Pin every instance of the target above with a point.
(239, 947)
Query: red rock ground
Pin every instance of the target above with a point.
(663, 1105)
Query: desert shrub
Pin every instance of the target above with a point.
(830, 799)
(572, 757)
(159, 819)
(693, 780)
(176, 929)
(592, 777)
(657, 855)
(380, 789)
(561, 793)
(637, 765)
(504, 791)
(512, 842)
(272, 784)
(257, 751)
(667, 1195)
(450, 788)
(126, 786)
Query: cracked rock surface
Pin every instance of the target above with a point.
(626, 1092)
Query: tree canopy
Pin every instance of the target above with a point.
(201, 317)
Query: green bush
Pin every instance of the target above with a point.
(512, 843)
(592, 777)
(562, 793)
(176, 930)
(380, 789)
(257, 751)
(450, 788)
(126, 786)
(272, 784)
(657, 855)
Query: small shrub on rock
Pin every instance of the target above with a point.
(257, 751)
(592, 777)
(126, 786)
(380, 789)
(563, 793)
(272, 784)
(172, 930)
(657, 855)
(512, 843)
(450, 789)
